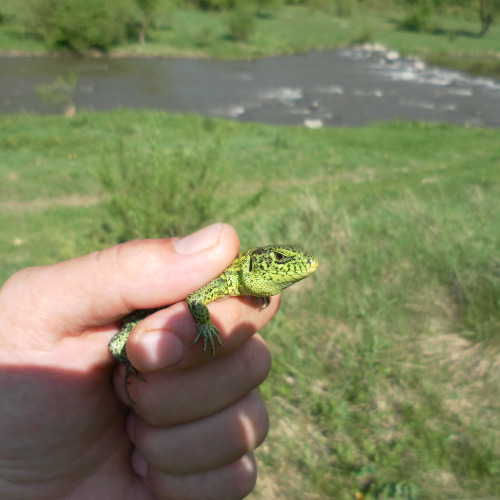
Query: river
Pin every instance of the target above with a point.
(338, 88)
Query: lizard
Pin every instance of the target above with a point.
(260, 272)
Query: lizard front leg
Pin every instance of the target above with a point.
(204, 325)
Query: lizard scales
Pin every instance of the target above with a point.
(260, 272)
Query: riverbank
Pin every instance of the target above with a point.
(182, 33)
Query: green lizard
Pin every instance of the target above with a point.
(261, 272)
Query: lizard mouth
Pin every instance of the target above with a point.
(301, 273)
(313, 265)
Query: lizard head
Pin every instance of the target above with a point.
(273, 268)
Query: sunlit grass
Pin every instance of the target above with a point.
(451, 40)
(385, 380)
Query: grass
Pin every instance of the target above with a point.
(386, 372)
(451, 41)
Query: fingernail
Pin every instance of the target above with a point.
(197, 242)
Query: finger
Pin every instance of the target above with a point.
(105, 285)
(165, 339)
(179, 396)
(211, 442)
(230, 482)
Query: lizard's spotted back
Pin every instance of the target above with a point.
(261, 272)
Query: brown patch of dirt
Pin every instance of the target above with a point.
(39, 205)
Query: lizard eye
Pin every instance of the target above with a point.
(279, 256)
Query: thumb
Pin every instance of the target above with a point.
(98, 288)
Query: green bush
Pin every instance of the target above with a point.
(345, 8)
(205, 35)
(78, 25)
(61, 91)
(420, 16)
(242, 23)
(153, 195)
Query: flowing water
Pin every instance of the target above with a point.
(338, 88)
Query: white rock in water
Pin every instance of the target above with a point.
(373, 47)
(419, 65)
(313, 123)
(392, 55)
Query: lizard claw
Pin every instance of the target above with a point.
(264, 302)
(209, 332)
(130, 370)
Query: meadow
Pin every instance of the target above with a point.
(450, 40)
(386, 362)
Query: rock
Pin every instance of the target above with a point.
(392, 56)
(309, 123)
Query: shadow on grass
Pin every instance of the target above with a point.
(434, 29)
(438, 31)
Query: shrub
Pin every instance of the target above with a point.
(420, 16)
(78, 25)
(241, 23)
(345, 8)
(205, 35)
(153, 194)
(61, 91)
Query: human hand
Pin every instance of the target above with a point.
(64, 433)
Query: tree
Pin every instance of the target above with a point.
(147, 8)
(487, 11)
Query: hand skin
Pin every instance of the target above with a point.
(65, 430)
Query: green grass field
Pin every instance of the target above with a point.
(386, 371)
(450, 41)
